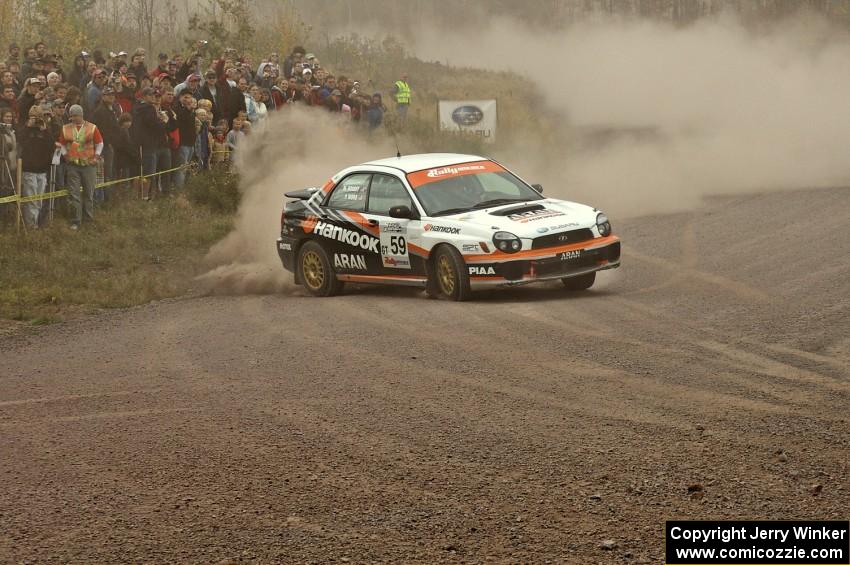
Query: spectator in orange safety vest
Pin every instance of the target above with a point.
(81, 145)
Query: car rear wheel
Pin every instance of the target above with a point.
(450, 277)
(581, 282)
(316, 271)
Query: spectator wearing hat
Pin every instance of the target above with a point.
(185, 116)
(209, 91)
(192, 84)
(105, 117)
(333, 103)
(189, 68)
(35, 148)
(162, 66)
(91, 96)
(30, 95)
(81, 144)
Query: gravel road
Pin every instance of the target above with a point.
(709, 377)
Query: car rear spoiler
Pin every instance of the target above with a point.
(303, 194)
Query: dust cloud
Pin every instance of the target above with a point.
(649, 118)
(299, 148)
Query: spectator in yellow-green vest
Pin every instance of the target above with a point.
(401, 92)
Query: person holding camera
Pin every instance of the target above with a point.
(35, 148)
(31, 96)
(81, 144)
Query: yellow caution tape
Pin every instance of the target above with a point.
(47, 196)
(64, 192)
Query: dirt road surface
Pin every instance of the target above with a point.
(708, 378)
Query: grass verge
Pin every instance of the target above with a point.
(133, 253)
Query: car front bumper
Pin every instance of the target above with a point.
(547, 264)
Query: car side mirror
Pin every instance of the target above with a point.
(403, 212)
(538, 188)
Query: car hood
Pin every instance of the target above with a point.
(530, 219)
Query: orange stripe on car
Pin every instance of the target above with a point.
(309, 224)
(361, 221)
(382, 277)
(418, 250)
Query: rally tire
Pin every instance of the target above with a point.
(581, 282)
(316, 272)
(450, 275)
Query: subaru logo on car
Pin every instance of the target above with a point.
(542, 230)
(467, 115)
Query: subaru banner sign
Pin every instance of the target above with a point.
(470, 117)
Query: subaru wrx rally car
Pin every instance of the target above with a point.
(447, 223)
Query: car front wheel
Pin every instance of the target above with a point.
(450, 274)
(316, 271)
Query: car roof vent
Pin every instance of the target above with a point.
(517, 210)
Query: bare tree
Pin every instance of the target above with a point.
(146, 19)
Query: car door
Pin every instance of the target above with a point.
(398, 255)
(351, 241)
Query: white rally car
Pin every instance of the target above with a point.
(445, 222)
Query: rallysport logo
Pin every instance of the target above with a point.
(343, 235)
(440, 229)
(434, 173)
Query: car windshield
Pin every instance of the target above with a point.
(471, 186)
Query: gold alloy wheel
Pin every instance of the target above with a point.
(446, 275)
(311, 268)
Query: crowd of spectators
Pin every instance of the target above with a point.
(113, 117)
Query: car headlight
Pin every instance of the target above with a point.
(507, 242)
(603, 225)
